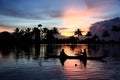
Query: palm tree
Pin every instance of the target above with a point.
(55, 30)
(44, 33)
(22, 32)
(28, 30)
(39, 25)
(18, 33)
(17, 30)
(36, 32)
(78, 32)
(28, 35)
(45, 30)
(88, 34)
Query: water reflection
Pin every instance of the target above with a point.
(32, 57)
(73, 49)
(39, 51)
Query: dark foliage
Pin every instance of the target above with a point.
(39, 35)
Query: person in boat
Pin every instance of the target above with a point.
(62, 54)
(84, 54)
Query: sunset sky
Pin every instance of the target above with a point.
(66, 15)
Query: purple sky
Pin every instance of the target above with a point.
(63, 14)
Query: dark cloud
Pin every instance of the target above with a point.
(102, 5)
(99, 27)
(102, 17)
(6, 26)
(28, 14)
(106, 16)
(29, 9)
(55, 14)
(19, 14)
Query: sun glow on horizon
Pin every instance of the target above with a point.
(67, 34)
(2, 29)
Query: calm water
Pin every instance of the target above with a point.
(28, 63)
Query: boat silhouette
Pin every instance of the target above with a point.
(82, 57)
(64, 56)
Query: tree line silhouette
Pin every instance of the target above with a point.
(43, 35)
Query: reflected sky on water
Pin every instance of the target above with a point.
(28, 62)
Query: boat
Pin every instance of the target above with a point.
(81, 57)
